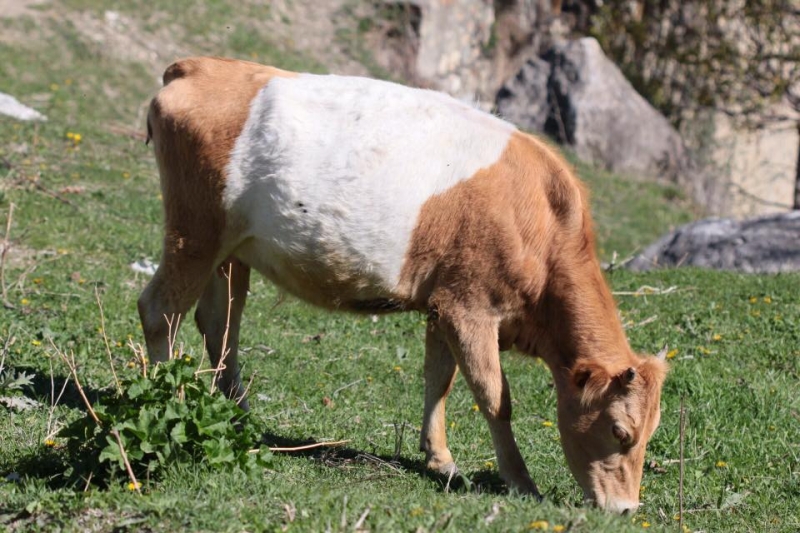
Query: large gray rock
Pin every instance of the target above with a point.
(590, 106)
(11, 107)
(769, 244)
(524, 98)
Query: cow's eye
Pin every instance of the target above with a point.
(621, 434)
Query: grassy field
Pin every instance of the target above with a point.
(87, 204)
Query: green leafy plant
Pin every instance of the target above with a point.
(166, 416)
(12, 383)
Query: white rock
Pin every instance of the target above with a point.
(11, 107)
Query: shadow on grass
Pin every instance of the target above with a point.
(48, 466)
(481, 481)
(43, 387)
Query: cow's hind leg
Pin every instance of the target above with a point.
(440, 373)
(473, 339)
(175, 287)
(218, 316)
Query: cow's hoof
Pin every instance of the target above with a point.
(527, 488)
(448, 470)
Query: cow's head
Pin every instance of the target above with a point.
(605, 420)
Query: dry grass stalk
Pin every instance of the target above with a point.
(53, 402)
(646, 290)
(680, 482)
(223, 353)
(10, 217)
(10, 340)
(70, 362)
(105, 340)
(304, 447)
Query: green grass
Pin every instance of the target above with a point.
(332, 376)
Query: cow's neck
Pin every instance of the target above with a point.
(578, 322)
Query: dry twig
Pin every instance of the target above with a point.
(105, 340)
(70, 362)
(3, 253)
(125, 460)
(680, 482)
(304, 447)
(646, 290)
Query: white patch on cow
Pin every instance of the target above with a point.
(330, 173)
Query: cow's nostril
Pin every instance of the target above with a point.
(626, 512)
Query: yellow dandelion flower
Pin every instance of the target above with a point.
(686, 530)
(36, 343)
(547, 424)
(119, 344)
(188, 359)
(767, 300)
(369, 379)
(559, 527)
(38, 281)
(488, 464)
(716, 337)
(398, 368)
(417, 511)
(133, 486)
(475, 407)
(76, 138)
(131, 364)
(543, 525)
(645, 524)
(753, 299)
(721, 464)
(24, 301)
(53, 86)
(49, 443)
(126, 175)
(755, 313)
(68, 81)
(672, 353)
(452, 425)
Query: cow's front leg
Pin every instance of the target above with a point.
(440, 373)
(473, 340)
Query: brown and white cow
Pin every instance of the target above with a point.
(367, 196)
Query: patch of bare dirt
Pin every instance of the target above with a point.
(10, 9)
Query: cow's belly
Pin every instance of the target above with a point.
(318, 274)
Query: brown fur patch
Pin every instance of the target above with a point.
(194, 122)
(517, 239)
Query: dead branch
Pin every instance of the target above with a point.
(125, 460)
(70, 362)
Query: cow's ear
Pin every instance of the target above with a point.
(592, 380)
(662, 353)
(581, 377)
